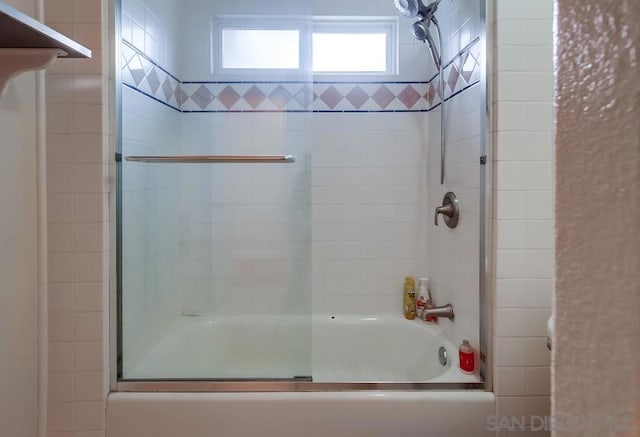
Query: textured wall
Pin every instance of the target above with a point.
(18, 257)
(596, 358)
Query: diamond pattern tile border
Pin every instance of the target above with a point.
(147, 77)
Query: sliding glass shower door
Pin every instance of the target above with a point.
(214, 201)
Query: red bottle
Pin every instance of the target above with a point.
(467, 358)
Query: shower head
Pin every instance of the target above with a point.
(420, 30)
(408, 8)
(415, 8)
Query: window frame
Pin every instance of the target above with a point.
(306, 26)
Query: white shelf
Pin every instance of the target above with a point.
(26, 44)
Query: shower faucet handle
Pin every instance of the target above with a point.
(450, 209)
(444, 210)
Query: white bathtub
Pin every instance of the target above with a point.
(326, 348)
(343, 349)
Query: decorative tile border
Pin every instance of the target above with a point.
(144, 75)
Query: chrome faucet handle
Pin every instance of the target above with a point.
(450, 209)
(444, 210)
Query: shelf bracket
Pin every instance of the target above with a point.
(18, 60)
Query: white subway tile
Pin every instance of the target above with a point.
(61, 327)
(60, 238)
(88, 326)
(538, 381)
(525, 58)
(61, 387)
(89, 356)
(58, 11)
(89, 415)
(534, 263)
(90, 267)
(89, 208)
(528, 322)
(523, 293)
(510, 406)
(59, 118)
(89, 386)
(88, 119)
(524, 9)
(527, 352)
(537, 406)
(61, 267)
(89, 296)
(509, 381)
(60, 297)
(60, 416)
(87, 11)
(525, 32)
(61, 357)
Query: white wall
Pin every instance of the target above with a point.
(597, 299)
(78, 138)
(523, 204)
(18, 257)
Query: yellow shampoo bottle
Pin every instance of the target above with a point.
(409, 298)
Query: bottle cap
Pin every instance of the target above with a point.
(410, 281)
(465, 342)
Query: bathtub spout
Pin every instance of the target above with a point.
(445, 311)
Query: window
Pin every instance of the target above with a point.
(354, 45)
(260, 49)
(325, 46)
(343, 52)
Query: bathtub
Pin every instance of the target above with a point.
(372, 376)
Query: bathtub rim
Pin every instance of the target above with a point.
(282, 386)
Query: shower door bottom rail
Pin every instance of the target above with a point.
(213, 159)
(271, 385)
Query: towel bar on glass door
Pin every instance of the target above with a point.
(197, 159)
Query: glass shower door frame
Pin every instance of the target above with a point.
(210, 385)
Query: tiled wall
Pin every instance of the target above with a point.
(150, 227)
(365, 194)
(245, 227)
(153, 27)
(78, 139)
(453, 254)
(151, 224)
(523, 204)
(363, 173)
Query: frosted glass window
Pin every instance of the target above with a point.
(261, 49)
(350, 52)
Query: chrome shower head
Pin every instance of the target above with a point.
(420, 30)
(415, 8)
(408, 8)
